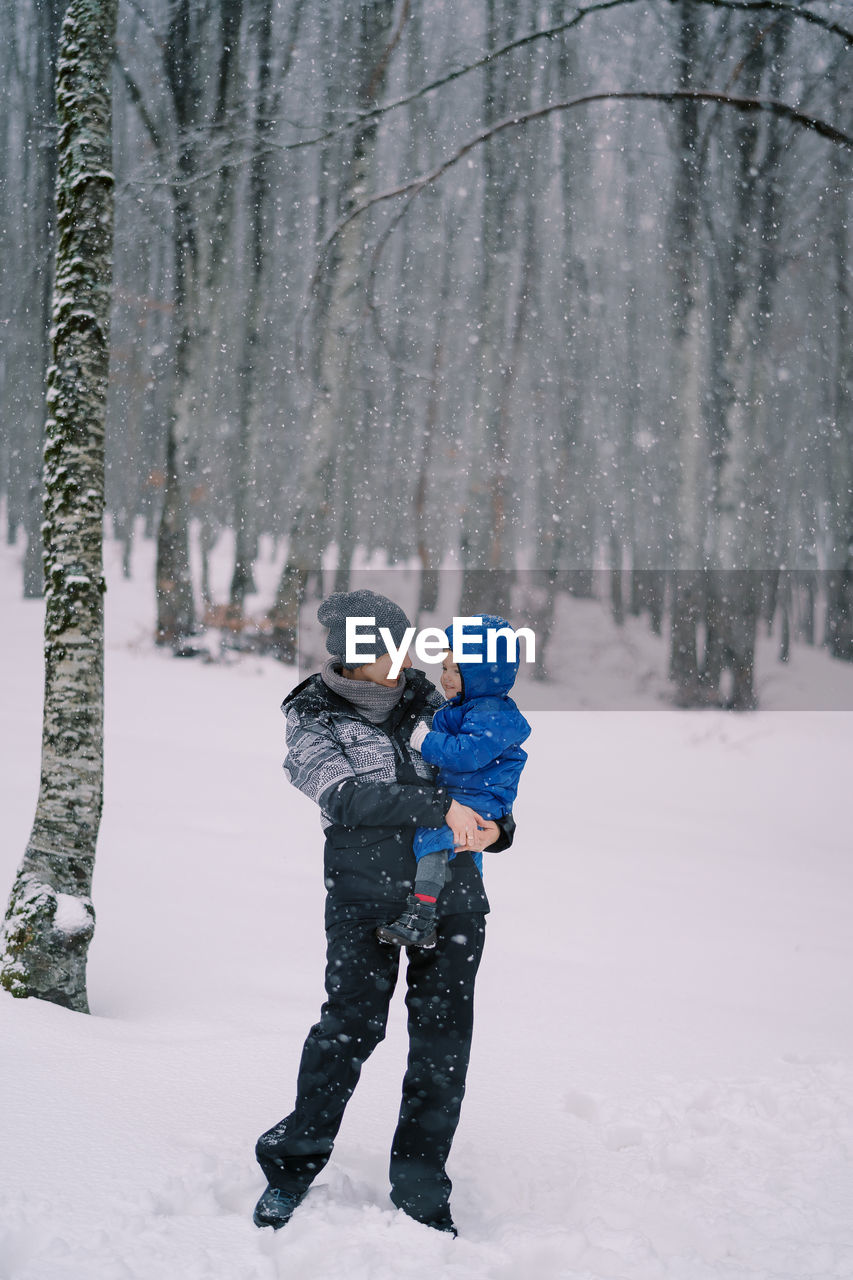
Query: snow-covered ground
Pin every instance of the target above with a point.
(661, 1086)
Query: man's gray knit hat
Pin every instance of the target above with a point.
(341, 605)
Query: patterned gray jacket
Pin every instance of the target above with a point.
(373, 790)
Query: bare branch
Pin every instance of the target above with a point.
(781, 7)
(416, 185)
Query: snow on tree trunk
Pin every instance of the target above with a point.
(50, 920)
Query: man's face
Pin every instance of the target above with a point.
(378, 672)
(451, 677)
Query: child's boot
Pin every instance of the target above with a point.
(415, 927)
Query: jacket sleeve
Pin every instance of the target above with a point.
(314, 762)
(507, 835)
(481, 738)
(361, 803)
(317, 767)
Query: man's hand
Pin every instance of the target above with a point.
(465, 824)
(486, 835)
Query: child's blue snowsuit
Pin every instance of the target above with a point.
(476, 739)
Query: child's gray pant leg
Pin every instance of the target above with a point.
(431, 873)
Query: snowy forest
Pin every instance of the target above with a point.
(557, 295)
(524, 309)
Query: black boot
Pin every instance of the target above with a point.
(414, 928)
(275, 1208)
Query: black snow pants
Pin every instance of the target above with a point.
(361, 973)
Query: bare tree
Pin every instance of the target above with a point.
(50, 919)
(553, 303)
(259, 235)
(335, 405)
(31, 37)
(839, 619)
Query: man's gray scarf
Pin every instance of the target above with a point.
(374, 701)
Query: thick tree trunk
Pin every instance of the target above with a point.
(47, 18)
(242, 579)
(565, 455)
(175, 604)
(483, 543)
(687, 436)
(744, 508)
(687, 604)
(329, 429)
(33, 517)
(425, 529)
(839, 585)
(50, 920)
(176, 620)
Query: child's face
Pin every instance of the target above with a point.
(451, 679)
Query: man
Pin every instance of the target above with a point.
(348, 747)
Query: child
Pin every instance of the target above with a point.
(476, 742)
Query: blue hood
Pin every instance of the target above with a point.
(486, 679)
